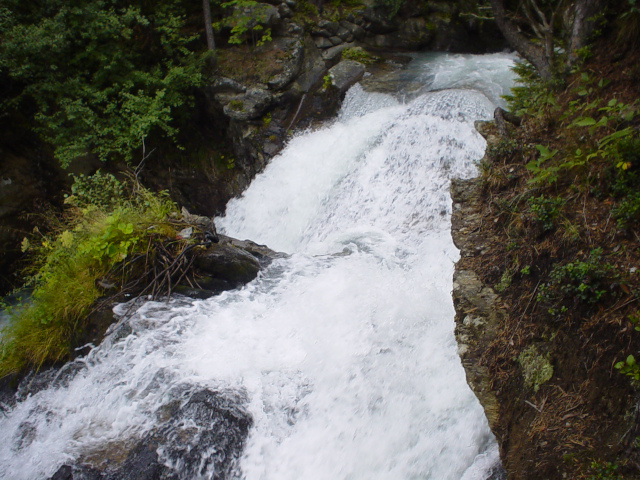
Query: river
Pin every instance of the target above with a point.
(342, 354)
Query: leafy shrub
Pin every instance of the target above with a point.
(102, 190)
(604, 471)
(545, 210)
(95, 242)
(582, 282)
(97, 76)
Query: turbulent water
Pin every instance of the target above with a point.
(342, 354)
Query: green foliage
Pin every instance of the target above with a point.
(545, 210)
(359, 54)
(629, 367)
(583, 282)
(625, 182)
(100, 189)
(533, 96)
(604, 471)
(307, 8)
(247, 21)
(97, 76)
(69, 265)
(326, 81)
(542, 172)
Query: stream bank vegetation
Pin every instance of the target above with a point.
(562, 223)
(115, 239)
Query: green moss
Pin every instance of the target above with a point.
(536, 368)
(359, 55)
(236, 105)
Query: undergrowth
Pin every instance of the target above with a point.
(563, 204)
(101, 244)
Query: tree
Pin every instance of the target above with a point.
(535, 28)
(208, 30)
(97, 76)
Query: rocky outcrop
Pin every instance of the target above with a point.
(477, 308)
(200, 433)
(556, 405)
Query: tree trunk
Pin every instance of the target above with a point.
(532, 52)
(208, 29)
(581, 26)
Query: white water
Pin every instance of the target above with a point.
(343, 353)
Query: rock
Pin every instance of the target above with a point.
(411, 34)
(332, 55)
(226, 263)
(478, 310)
(290, 66)
(335, 40)
(322, 42)
(345, 74)
(251, 105)
(452, 37)
(291, 29)
(199, 431)
(226, 85)
(355, 30)
(332, 27)
(263, 253)
(313, 68)
(285, 11)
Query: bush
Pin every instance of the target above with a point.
(580, 282)
(97, 76)
(545, 210)
(98, 243)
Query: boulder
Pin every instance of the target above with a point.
(290, 66)
(332, 55)
(199, 431)
(322, 42)
(227, 264)
(345, 74)
(313, 68)
(249, 105)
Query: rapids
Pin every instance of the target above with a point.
(342, 354)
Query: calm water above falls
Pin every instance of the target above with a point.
(343, 354)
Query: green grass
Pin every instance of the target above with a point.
(93, 243)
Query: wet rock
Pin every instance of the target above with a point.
(227, 263)
(200, 434)
(478, 310)
(345, 74)
(263, 253)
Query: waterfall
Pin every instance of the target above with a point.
(342, 354)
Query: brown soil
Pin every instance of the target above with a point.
(587, 411)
